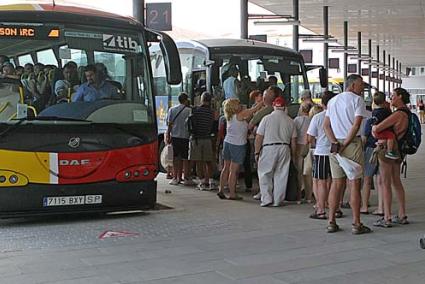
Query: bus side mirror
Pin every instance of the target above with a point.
(323, 76)
(170, 55)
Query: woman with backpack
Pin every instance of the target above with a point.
(389, 170)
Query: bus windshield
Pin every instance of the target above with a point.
(58, 73)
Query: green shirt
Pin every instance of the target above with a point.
(258, 116)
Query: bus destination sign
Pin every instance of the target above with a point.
(30, 32)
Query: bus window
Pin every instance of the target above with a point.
(24, 59)
(47, 57)
(115, 64)
(71, 54)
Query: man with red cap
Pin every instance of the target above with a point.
(274, 142)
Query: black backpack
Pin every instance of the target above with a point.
(411, 140)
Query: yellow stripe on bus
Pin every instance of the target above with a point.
(33, 165)
(19, 7)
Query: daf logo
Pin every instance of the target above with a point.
(74, 142)
(74, 162)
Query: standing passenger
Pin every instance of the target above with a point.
(276, 137)
(178, 135)
(342, 126)
(231, 85)
(321, 164)
(234, 148)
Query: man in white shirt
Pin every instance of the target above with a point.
(275, 140)
(342, 126)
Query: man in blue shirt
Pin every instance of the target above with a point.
(96, 87)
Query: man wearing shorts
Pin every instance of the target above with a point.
(178, 135)
(342, 126)
(200, 145)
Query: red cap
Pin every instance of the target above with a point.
(279, 102)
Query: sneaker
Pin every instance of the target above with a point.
(360, 229)
(174, 182)
(401, 221)
(213, 185)
(188, 182)
(381, 222)
(392, 155)
(257, 196)
(204, 186)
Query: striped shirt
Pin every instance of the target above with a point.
(202, 121)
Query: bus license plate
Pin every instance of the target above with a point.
(71, 200)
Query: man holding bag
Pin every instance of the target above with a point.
(342, 126)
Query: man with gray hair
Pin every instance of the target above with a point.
(274, 142)
(342, 127)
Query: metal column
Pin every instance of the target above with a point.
(325, 44)
(389, 73)
(139, 10)
(400, 73)
(370, 65)
(394, 73)
(345, 51)
(383, 71)
(244, 19)
(377, 68)
(359, 47)
(295, 28)
(397, 74)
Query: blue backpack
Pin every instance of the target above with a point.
(410, 142)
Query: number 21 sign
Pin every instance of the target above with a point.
(158, 16)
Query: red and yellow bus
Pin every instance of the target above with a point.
(77, 156)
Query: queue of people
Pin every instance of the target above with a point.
(340, 127)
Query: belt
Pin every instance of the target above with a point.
(273, 144)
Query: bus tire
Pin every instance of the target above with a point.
(161, 146)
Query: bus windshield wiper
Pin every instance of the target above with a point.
(58, 118)
(11, 127)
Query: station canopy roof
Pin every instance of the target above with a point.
(398, 26)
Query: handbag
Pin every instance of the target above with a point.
(292, 185)
(166, 156)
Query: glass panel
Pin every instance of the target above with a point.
(24, 59)
(47, 57)
(104, 79)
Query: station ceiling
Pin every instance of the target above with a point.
(398, 26)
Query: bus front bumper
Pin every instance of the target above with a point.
(40, 199)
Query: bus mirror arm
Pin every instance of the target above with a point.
(170, 55)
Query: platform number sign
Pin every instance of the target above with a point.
(158, 16)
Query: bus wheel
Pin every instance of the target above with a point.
(161, 146)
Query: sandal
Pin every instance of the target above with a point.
(332, 227)
(360, 229)
(339, 214)
(401, 221)
(221, 195)
(320, 216)
(364, 212)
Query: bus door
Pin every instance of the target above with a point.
(197, 85)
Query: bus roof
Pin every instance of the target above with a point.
(60, 13)
(247, 45)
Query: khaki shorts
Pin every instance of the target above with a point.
(201, 149)
(354, 152)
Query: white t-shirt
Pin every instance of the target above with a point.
(277, 127)
(342, 110)
(323, 145)
(301, 124)
(179, 121)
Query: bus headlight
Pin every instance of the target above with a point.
(13, 179)
(135, 173)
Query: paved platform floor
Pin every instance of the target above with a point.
(207, 240)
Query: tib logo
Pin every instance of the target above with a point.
(119, 43)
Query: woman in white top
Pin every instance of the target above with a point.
(234, 144)
(302, 121)
(321, 165)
